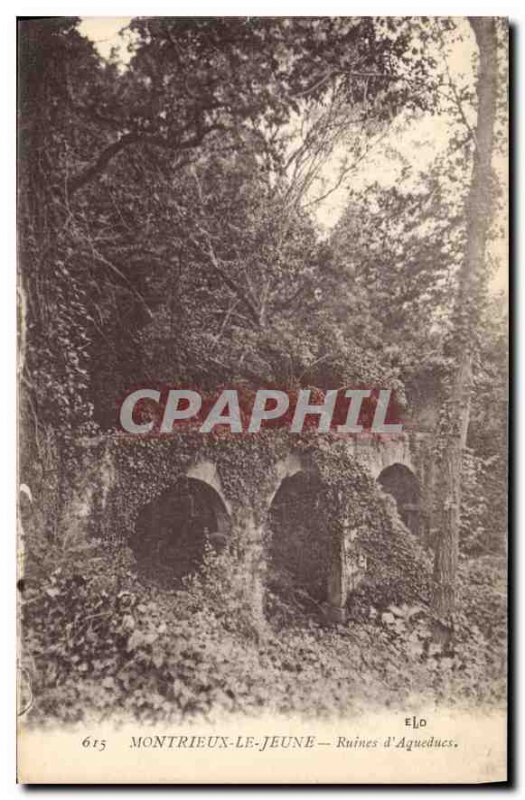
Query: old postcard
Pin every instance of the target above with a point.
(262, 370)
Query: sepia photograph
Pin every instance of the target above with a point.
(262, 296)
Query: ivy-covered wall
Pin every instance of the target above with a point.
(120, 475)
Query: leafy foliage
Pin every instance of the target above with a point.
(112, 647)
(167, 235)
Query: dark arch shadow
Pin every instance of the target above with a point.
(400, 482)
(172, 530)
(297, 546)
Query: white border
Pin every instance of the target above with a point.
(8, 12)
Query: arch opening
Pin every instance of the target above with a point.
(401, 483)
(298, 553)
(171, 531)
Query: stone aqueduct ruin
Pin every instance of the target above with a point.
(166, 513)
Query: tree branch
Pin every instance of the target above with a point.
(78, 181)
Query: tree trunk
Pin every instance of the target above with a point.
(471, 283)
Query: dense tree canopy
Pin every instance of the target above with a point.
(173, 230)
(168, 232)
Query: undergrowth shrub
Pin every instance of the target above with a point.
(99, 643)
